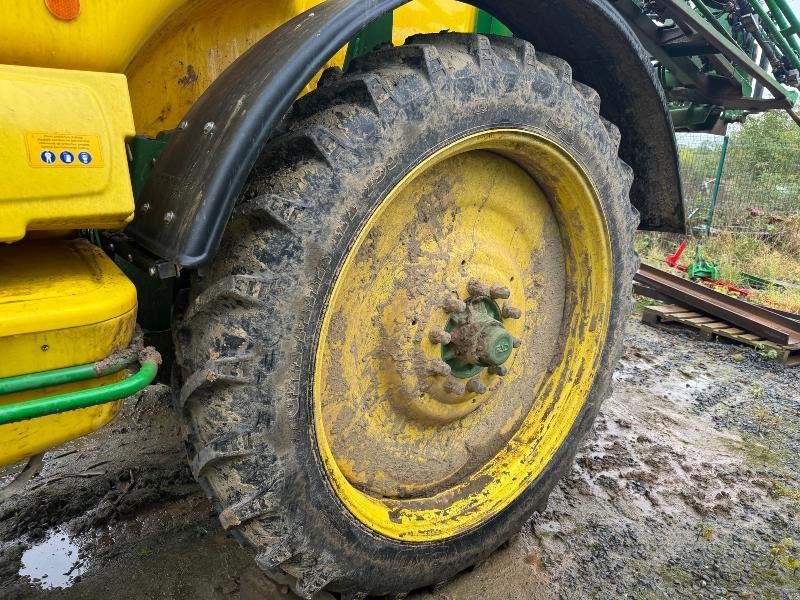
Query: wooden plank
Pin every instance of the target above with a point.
(750, 337)
(732, 331)
(701, 320)
(709, 328)
(666, 309)
(685, 315)
(651, 317)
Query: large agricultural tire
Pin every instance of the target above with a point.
(336, 437)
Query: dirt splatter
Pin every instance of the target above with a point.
(190, 78)
(687, 488)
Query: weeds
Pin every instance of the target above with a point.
(773, 255)
(764, 419)
(642, 302)
(705, 531)
(781, 490)
(781, 550)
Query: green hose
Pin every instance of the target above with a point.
(32, 409)
(32, 381)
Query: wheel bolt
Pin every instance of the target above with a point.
(517, 343)
(498, 291)
(454, 305)
(439, 367)
(476, 288)
(475, 386)
(498, 370)
(454, 386)
(439, 336)
(511, 312)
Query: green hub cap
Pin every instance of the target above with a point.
(477, 338)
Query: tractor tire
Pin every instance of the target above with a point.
(338, 410)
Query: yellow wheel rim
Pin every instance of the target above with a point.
(408, 458)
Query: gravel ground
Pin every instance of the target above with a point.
(689, 487)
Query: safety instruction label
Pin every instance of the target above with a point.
(63, 150)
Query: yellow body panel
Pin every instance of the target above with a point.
(171, 50)
(352, 385)
(104, 37)
(432, 16)
(190, 50)
(62, 150)
(62, 303)
(27, 438)
(201, 39)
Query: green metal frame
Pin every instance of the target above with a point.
(142, 155)
(488, 24)
(782, 19)
(717, 180)
(50, 405)
(705, 54)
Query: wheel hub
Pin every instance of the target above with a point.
(474, 337)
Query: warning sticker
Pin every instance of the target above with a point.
(63, 150)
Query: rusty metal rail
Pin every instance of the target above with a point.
(761, 321)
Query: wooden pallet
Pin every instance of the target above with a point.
(711, 329)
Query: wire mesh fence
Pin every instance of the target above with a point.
(760, 178)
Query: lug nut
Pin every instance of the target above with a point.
(439, 336)
(454, 305)
(475, 386)
(499, 292)
(517, 343)
(497, 370)
(454, 386)
(439, 367)
(510, 312)
(476, 288)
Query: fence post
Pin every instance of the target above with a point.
(717, 178)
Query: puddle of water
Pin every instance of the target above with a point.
(54, 562)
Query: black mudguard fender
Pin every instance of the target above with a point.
(188, 198)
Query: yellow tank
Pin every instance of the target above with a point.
(62, 303)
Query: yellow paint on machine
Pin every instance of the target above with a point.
(172, 50)
(196, 43)
(62, 303)
(104, 37)
(62, 151)
(463, 503)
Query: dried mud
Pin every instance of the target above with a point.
(688, 487)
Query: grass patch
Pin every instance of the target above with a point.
(758, 451)
(675, 575)
(774, 255)
(781, 490)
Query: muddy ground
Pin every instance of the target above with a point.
(689, 487)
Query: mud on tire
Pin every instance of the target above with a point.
(245, 343)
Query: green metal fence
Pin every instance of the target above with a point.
(759, 179)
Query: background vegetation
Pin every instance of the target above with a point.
(756, 225)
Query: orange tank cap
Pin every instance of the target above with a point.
(66, 10)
